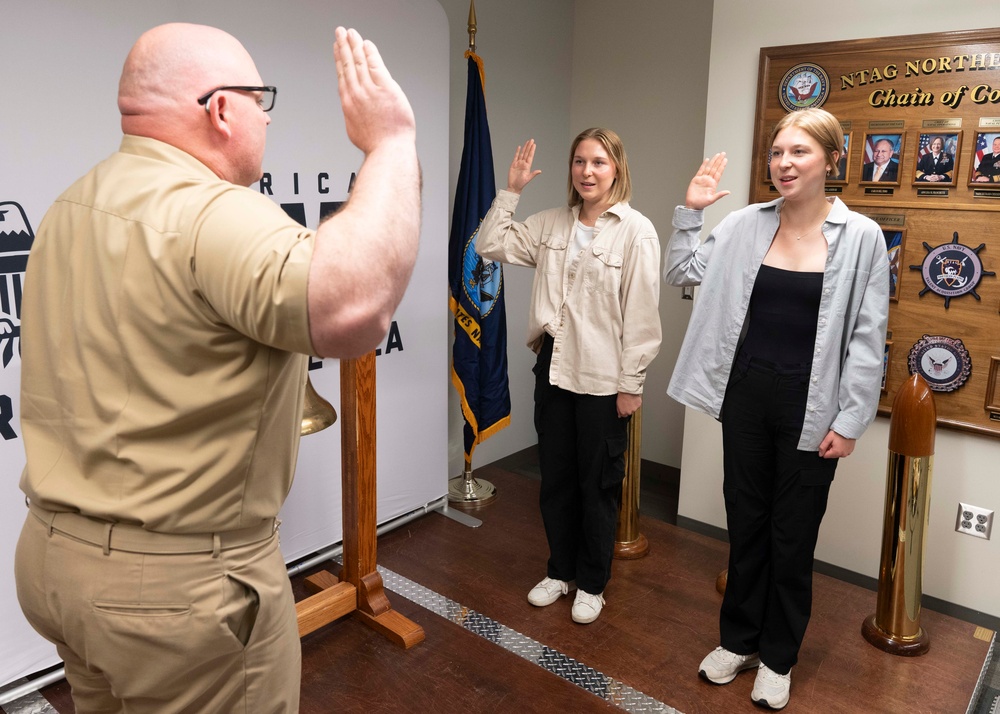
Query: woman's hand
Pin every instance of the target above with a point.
(520, 172)
(835, 446)
(628, 404)
(702, 191)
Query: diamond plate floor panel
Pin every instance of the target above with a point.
(587, 678)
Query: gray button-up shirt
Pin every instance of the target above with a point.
(846, 376)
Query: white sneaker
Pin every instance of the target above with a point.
(548, 591)
(587, 607)
(721, 666)
(771, 689)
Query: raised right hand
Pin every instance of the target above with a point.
(520, 172)
(702, 191)
(375, 108)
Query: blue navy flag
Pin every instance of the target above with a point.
(479, 355)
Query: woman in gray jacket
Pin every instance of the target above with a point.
(785, 348)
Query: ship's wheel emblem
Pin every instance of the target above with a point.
(952, 270)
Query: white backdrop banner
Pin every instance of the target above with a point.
(61, 61)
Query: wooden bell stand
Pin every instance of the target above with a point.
(359, 588)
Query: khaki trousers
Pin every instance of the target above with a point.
(165, 633)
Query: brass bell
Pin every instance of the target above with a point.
(317, 413)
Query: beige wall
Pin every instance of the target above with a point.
(644, 73)
(526, 46)
(556, 66)
(957, 568)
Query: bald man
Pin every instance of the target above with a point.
(167, 317)
(882, 167)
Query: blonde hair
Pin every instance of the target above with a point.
(621, 189)
(822, 126)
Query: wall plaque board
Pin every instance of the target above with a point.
(931, 103)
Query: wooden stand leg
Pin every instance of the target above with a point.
(360, 577)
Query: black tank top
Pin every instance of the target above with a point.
(784, 309)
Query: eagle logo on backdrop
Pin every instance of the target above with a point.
(803, 86)
(952, 270)
(16, 238)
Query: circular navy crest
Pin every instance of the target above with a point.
(481, 279)
(952, 270)
(943, 361)
(803, 86)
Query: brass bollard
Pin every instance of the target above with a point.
(630, 544)
(721, 580)
(895, 626)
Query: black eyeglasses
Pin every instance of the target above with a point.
(265, 101)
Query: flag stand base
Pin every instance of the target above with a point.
(468, 492)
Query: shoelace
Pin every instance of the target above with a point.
(730, 657)
(592, 600)
(772, 678)
(552, 584)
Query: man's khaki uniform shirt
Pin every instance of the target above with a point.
(164, 334)
(601, 310)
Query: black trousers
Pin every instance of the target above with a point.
(581, 456)
(775, 500)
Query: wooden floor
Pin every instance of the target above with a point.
(661, 618)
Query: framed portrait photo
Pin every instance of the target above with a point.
(886, 360)
(894, 250)
(937, 159)
(880, 159)
(842, 162)
(986, 159)
(992, 402)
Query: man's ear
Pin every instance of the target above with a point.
(218, 112)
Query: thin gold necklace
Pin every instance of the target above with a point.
(816, 227)
(807, 232)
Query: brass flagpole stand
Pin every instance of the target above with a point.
(468, 491)
(895, 626)
(630, 544)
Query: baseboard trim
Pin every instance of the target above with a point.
(959, 612)
(705, 529)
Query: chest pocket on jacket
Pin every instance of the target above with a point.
(553, 253)
(604, 272)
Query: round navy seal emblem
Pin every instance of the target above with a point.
(803, 86)
(482, 280)
(952, 270)
(943, 361)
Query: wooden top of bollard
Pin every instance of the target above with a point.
(914, 419)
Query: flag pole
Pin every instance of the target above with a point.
(465, 490)
(472, 25)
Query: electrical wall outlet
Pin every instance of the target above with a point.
(974, 521)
